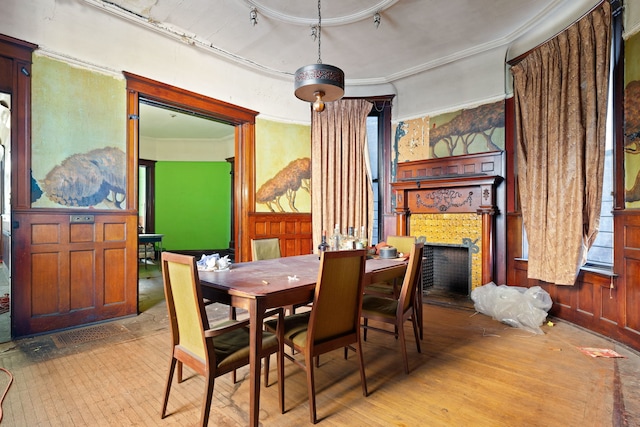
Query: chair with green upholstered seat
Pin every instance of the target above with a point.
(391, 287)
(397, 311)
(402, 243)
(209, 351)
(334, 319)
(268, 248)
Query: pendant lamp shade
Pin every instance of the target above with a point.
(315, 78)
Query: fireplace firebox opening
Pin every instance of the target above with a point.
(446, 270)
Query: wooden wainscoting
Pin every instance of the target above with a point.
(293, 230)
(71, 273)
(603, 303)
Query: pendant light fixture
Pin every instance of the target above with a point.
(319, 83)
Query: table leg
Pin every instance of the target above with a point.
(256, 314)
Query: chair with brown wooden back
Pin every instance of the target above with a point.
(397, 311)
(334, 319)
(209, 351)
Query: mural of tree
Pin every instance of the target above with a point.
(464, 128)
(293, 177)
(632, 135)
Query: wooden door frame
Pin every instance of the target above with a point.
(241, 118)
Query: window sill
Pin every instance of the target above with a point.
(600, 270)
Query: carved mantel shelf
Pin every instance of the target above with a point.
(462, 184)
(460, 194)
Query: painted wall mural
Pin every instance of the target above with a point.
(474, 130)
(78, 157)
(468, 131)
(86, 179)
(283, 167)
(632, 123)
(286, 183)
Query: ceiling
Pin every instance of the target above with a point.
(161, 123)
(413, 36)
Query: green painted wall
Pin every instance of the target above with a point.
(193, 205)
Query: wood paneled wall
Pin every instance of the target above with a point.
(604, 303)
(72, 273)
(293, 229)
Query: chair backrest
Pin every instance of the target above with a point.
(401, 243)
(338, 295)
(411, 277)
(187, 315)
(265, 248)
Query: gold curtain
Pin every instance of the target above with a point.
(340, 186)
(560, 91)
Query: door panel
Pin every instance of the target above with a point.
(73, 273)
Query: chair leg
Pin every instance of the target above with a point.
(179, 372)
(403, 344)
(206, 401)
(363, 378)
(414, 321)
(266, 370)
(364, 333)
(280, 334)
(172, 367)
(418, 309)
(311, 388)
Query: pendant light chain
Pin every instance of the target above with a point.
(319, 32)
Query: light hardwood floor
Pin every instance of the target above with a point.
(473, 371)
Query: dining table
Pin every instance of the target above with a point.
(258, 286)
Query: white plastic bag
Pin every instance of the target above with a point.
(519, 307)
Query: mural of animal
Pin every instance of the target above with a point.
(86, 179)
(296, 175)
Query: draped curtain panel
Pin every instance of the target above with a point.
(341, 188)
(560, 91)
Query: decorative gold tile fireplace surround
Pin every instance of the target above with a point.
(452, 201)
(463, 229)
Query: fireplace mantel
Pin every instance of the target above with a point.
(460, 184)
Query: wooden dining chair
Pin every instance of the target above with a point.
(389, 286)
(209, 351)
(403, 244)
(333, 321)
(397, 311)
(268, 248)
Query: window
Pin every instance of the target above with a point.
(601, 252)
(372, 143)
(379, 145)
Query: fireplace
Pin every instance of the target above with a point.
(446, 269)
(452, 203)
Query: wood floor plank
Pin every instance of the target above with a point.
(472, 371)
